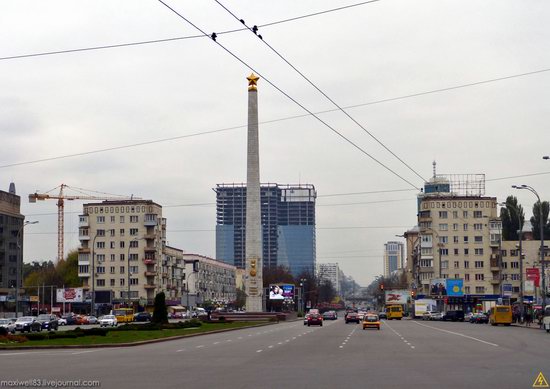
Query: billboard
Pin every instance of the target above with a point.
(422, 306)
(455, 287)
(69, 295)
(397, 296)
(438, 287)
(281, 292)
(533, 274)
(507, 290)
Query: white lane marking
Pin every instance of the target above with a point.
(395, 332)
(341, 346)
(293, 337)
(458, 334)
(412, 346)
(280, 343)
(180, 350)
(270, 346)
(216, 342)
(250, 335)
(240, 337)
(200, 346)
(84, 352)
(259, 351)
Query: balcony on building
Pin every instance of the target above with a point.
(84, 275)
(84, 250)
(149, 260)
(426, 269)
(424, 216)
(495, 281)
(150, 249)
(149, 286)
(150, 273)
(149, 235)
(83, 234)
(150, 220)
(83, 221)
(494, 263)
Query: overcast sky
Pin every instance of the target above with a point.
(71, 103)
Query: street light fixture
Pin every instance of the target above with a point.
(17, 267)
(542, 267)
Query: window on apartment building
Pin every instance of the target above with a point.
(466, 277)
(478, 214)
(100, 269)
(464, 214)
(455, 226)
(134, 243)
(112, 244)
(121, 218)
(455, 214)
(503, 253)
(478, 239)
(480, 277)
(443, 214)
(134, 269)
(133, 231)
(478, 264)
(457, 276)
(478, 251)
(112, 232)
(100, 282)
(466, 251)
(113, 257)
(134, 219)
(100, 258)
(466, 239)
(514, 265)
(457, 264)
(513, 253)
(122, 270)
(443, 227)
(467, 290)
(455, 239)
(466, 264)
(515, 289)
(515, 277)
(133, 257)
(444, 264)
(443, 239)
(122, 257)
(480, 289)
(504, 277)
(112, 281)
(427, 251)
(121, 244)
(113, 220)
(100, 219)
(455, 251)
(504, 265)
(478, 226)
(122, 282)
(112, 269)
(465, 226)
(100, 245)
(100, 232)
(122, 232)
(444, 251)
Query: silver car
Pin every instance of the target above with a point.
(8, 324)
(108, 320)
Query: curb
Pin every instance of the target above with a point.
(133, 344)
(527, 327)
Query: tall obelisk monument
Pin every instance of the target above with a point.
(253, 278)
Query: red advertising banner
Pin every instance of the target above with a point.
(533, 274)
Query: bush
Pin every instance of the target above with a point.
(3, 331)
(300, 314)
(4, 339)
(37, 336)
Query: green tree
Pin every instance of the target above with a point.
(326, 291)
(67, 270)
(160, 313)
(512, 217)
(535, 220)
(241, 298)
(277, 275)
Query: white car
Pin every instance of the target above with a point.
(8, 324)
(546, 320)
(62, 322)
(108, 320)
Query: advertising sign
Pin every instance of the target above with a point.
(422, 306)
(533, 274)
(438, 287)
(455, 287)
(507, 289)
(281, 292)
(69, 295)
(397, 296)
(34, 299)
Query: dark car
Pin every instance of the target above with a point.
(479, 318)
(352, 317)
(142, 316)
(70, 319)
(315, 319)
(453, 316)
(382, 315)
(330, 315)
(27, 324)
(48, 322)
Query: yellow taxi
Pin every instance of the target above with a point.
(371, 320)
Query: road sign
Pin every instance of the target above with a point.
(540, 382)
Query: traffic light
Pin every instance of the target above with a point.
(381, 286)
(413, 294)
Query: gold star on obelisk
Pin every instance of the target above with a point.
(252, 81)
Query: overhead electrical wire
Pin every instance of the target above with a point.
(290, 97)
(255, 33)
(147, 42)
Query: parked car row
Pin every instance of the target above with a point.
(444, 316)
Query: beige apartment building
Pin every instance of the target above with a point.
(123, 252)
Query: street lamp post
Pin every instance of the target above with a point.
(17, 267)
(541, 225)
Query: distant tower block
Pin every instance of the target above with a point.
(253, 251)
(12, 188)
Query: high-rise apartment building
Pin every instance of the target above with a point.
(288, 225)
(122, 252)
(329, 272)
(393, 257)
(11, 241)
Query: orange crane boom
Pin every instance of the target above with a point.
(61, 197)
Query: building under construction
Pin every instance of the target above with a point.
(288, 225)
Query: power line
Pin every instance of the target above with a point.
(366, 202)
(290, 97)
(139, 43)
(255, 32)
(362, 193)
(519, 176)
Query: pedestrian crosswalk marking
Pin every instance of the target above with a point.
(540, 382)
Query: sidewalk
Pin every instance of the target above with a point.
(533, 326)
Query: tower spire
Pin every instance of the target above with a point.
(434, 167)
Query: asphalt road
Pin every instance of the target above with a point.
(403, 354)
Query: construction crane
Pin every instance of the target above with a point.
(61, 197)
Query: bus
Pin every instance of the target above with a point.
(500, 314)
(394, 312)
(123, 315)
